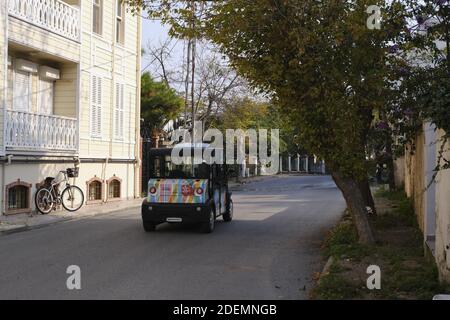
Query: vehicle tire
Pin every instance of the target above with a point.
(72, 198)
(228, 215)
(43, 200)
(208, 227)
(149, 226)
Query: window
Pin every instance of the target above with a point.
(114, 188)
(46, 95)
(96, 106)
(118, 112)
(120, 22)
(22, 91)
(18, 197)
(95, 190)
(97, 16)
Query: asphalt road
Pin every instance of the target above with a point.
(269, 251)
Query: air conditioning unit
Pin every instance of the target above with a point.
(48, 73)
(26, 66)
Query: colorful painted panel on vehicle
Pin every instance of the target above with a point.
(177, 190)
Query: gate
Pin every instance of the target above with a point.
(146, 146)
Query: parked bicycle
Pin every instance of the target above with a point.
(48, 197)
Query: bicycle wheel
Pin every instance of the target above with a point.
(72, 198)
(44, 201)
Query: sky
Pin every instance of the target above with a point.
(153, 32)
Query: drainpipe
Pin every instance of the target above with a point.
(137, 145)
(4, 14)
(113, 87)
(8, 158)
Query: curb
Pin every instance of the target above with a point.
(23, 228)
(326, 269)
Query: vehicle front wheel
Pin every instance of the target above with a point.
(228, 215)
(208, 227)
(149, 226)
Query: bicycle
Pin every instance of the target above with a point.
(48, 198)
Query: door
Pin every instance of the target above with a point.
(46, 96)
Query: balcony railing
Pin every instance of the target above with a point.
(53, 15)
(38, 132)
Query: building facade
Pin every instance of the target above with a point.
(70, 96)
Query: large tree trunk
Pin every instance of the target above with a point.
(356, 204)
(364, 186)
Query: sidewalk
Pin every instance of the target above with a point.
(22, 222)
(404, 270)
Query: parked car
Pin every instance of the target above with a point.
(187, 193)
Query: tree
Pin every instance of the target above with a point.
(321, 64)
(215, 81)
(326, 69)
(159, 103)
(423, 92)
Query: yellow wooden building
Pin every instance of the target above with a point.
(70, 88)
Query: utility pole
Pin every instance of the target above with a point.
(194, 45)
(186, 84)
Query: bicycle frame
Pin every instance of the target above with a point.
(53, 186)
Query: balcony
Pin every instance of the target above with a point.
(27, 131)
(53, 15)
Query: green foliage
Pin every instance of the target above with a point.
(335, 287)
(401, 214)
(320, 62)
(424, 91)
(159, 103)
(324, 66)
(245, 113)
(406, 273)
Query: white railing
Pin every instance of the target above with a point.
(38, 132)
(53, 15)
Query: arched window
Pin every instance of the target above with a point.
(114, 186)
(18, 197)
(94, 190)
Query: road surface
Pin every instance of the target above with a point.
(269, 251)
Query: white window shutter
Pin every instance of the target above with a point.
(93, 105)
(96, 106)
(121, 109)
(118, 111)
(22, 94)
(99, 107)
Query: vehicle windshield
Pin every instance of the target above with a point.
(164, 168)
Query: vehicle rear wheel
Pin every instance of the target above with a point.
(228, 215)
(208, 227)
(149, 226)
(44, 201)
